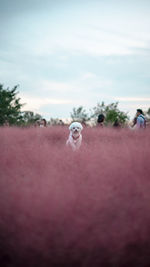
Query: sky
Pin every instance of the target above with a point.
(68, 53)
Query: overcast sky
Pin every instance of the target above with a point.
(69, 53)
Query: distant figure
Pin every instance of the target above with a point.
(116, 124)
(100, 120)
(43, 123)
(36, 124)
(140, 121)
(61, 123)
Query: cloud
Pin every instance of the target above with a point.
(35, 103)
(84, 41)
(88, 75)
(84, 86)
(87, 90)
(67, 53)
(49, 86)
(133, 99)
(95, 37)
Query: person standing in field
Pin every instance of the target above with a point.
(100, 120)
(43, 123)
(140, 121)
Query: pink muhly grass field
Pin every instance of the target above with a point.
(85, 208)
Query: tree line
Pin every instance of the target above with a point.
(10, 112)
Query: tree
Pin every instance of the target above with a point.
(111, 113)
(148, 112)
(79, 114)
(29, 118)
(99, 109)
(10, 106)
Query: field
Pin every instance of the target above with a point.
(63, 208)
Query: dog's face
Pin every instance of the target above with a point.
(75, 128)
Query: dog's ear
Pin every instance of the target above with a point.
(70, 127)
(81, 127)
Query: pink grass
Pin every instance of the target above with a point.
(63, 208)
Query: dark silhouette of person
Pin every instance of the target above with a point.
(141, 121)
(100, 120)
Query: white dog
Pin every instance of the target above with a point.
(75, 137)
